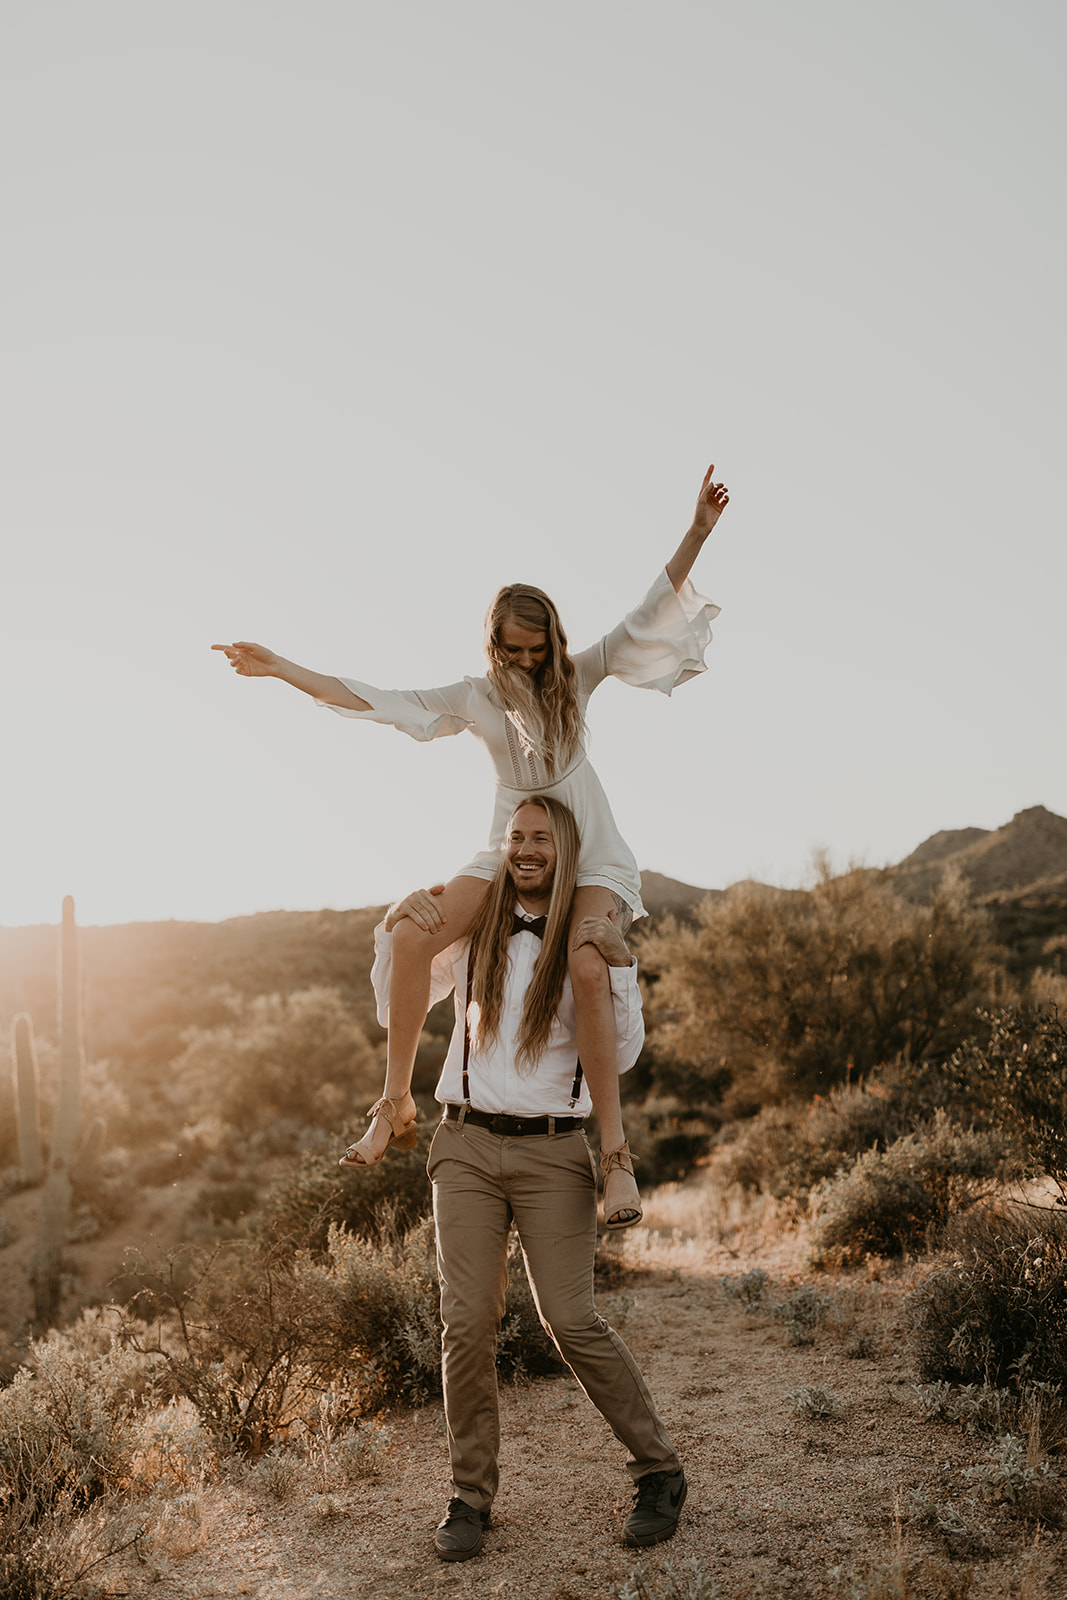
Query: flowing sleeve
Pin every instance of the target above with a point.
(420, 713)
(660, 644)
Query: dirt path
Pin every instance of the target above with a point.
(776, 1500)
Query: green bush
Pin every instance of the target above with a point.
(787, 1149)
(1019, 1074)
(240, 1337)
(254, 1336)
(890, 1202)
(802, 1312)
(301, 1056)
(301, 1206)
(386, 1308)
(1008, 1477)
(994, 1309)
(665, 1138)
(224, 1202)
(780, 991)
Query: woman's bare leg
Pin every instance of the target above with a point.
(594, 1017)
(409, 1000)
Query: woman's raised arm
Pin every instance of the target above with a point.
(711, 503)
(256, 661)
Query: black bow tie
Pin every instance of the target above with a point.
(536, 925)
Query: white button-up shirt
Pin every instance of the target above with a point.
(496, 1083)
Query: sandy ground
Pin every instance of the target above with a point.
(776, 1501)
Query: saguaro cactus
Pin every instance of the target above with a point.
(27, 1103)
(55, 1201)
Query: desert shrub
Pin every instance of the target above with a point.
(749, 1288)
(1019, 1073)
(379, 1306)
(791, 990)
(240, 1338)
(67, 1418)
(337, 1457)
(789, 1148)
(301, 1055)
(889, 1202)
(803, 1312)
(994, 1309)
(1008, 1476)
(103, 1194)
(1036, 1411)
(300, 1206)
(386, 1305)
(816, 1404)
(254, 1337)
(666, 1138)
(278, 1474)
(683, 1580)
(224, 1202)
(49, 1556)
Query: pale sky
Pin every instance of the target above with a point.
(320, 321)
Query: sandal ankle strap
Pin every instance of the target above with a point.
(610, 1159)
(388, 1109)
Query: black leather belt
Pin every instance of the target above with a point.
(513, 1127)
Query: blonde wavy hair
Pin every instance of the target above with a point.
(489, 945)
(543, 709)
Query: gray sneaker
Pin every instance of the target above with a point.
(460, 1531)
(658, 1501)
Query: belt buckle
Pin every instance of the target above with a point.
(495, 1122)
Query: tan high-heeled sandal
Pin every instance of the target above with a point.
(402, 1135)
(622, 1198)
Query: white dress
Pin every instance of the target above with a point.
(660, 644)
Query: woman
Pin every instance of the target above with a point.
(530, 711)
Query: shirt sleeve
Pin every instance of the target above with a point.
(629, 1021)
(658, 645)
(442, 971)
(421, 713)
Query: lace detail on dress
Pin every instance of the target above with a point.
(530, 771)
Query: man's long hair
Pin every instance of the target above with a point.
(543, 709)
(488, 956)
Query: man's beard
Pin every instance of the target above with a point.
(539, 883)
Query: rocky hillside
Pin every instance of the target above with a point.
(666, 896)
(1018, 871)
(1026, 852)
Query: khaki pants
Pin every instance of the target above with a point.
(547, 1185)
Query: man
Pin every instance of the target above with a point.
(511, 1148)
